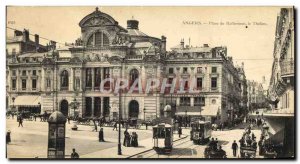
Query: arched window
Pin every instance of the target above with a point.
(134, 74)
(64, 80)
(98, 39)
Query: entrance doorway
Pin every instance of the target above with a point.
(64, 107)
(133, 109)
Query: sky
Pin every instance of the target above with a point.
(246, 41)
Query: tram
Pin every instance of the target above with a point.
(200, 131)
(163, 138)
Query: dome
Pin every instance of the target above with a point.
(57, 117)
(167, 108)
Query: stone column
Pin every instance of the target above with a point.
(102, 107)
(93, 105)
(192, 101)
(93, 79)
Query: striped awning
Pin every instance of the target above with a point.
(27, 100)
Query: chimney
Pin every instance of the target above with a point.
(37, 41)
(25, 35)
(52, 45)
(163, 44)
(132, 24)
(18, 33)
(205, 45)
(182, 43)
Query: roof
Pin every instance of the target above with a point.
(191, 49)
(135, 32)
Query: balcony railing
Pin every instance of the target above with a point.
(287, 67)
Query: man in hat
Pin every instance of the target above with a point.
(74, 154)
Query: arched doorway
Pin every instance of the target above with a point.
(133, 109)
(64, 107)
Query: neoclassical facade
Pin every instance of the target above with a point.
(52, 80)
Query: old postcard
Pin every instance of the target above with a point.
(150, 82)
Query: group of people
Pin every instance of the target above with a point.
(248, 139)
(130, 140)
(217, 148)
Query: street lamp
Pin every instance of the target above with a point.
(74, 105)
(119, 118)
(144, 114)
(185, 118)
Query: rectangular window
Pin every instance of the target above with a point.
(34, 72)
(106, 73)
(199, 83)
(97, 78)
(33, 84)
(14, 84)
(14, 73)
(88, 78)
(171, 70)
(23, 73)
(213, 83)
(199, 70)
(48, 83)
(214, 55)
(23, 84)
(13, 52)
(185, 69)
(213, 69)
(185, 101)
(199, 101)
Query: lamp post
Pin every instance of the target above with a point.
(119, 118)
(185, 118)
(144, 114)
(74, 105)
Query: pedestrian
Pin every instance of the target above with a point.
(253, 136)
(115, 126)
(260, 147)
(35, 115)
(146, 125)
(12, 115)
(95, 125)
(234, 148)
(211, 144)
(20, 120)
(8, 139)
(179, 131)
(126, 142)
(134, 140)
(101, 135)
(68, 118)
(74, 154)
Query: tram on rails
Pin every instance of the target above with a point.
(200, 131)
(163, 138)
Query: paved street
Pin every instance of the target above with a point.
(31, 141)
(186, 149)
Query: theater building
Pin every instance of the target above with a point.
(56, 78)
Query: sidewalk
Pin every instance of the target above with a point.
(144, 145)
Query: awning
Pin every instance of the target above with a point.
(27, 100)
(209, 110)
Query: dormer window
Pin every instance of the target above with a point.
(98, 39)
